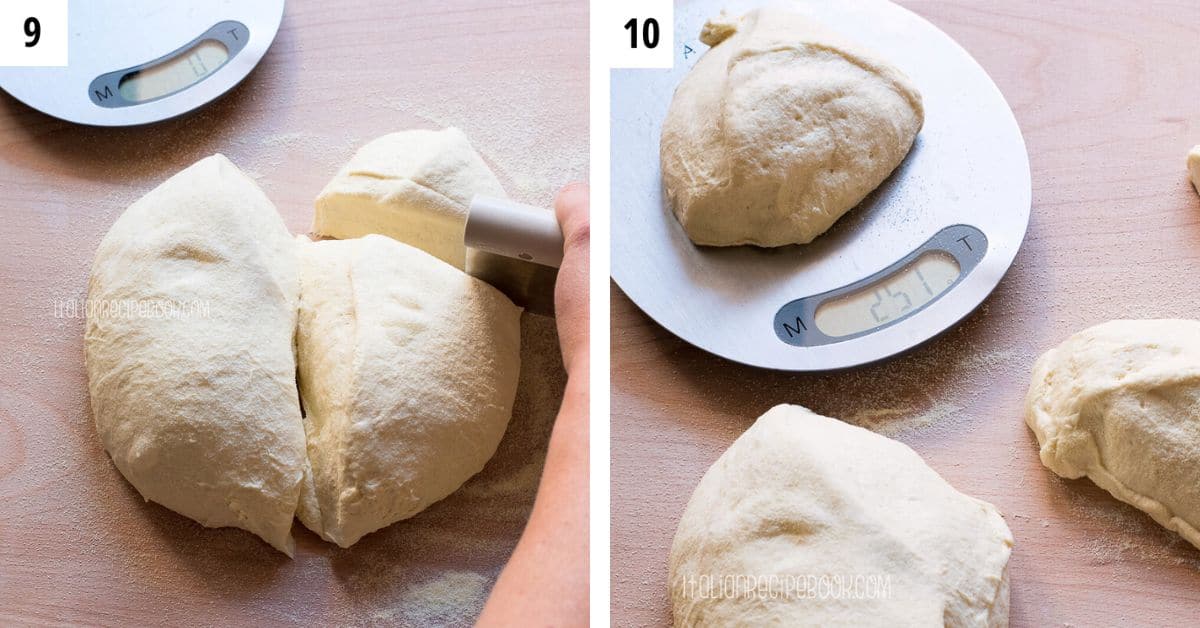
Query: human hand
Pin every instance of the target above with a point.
(547, 576)
(571, 207)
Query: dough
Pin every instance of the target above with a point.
(407, 366)
(1120, 403)
(800, 497)
(408, 370)
(414, 186)
(195, 396)
(1193, 166)
(780, 129)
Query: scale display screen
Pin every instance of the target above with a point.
(894, 294)
(890, 298)
(174, 74)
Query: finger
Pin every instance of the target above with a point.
(571, 207)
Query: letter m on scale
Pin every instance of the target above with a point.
(797, 330)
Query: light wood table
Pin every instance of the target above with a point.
(1107, 97)
(77, 543)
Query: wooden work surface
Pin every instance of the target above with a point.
(77, 543)
(1108, 99)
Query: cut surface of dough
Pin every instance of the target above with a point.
(408, 371)
(801, 503)
(780, 129)
(1120, 403)
(189, 353)
(413, 186)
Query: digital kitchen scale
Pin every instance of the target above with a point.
(139, 62)
(913, 259)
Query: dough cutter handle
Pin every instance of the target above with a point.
(516, 248)
(503, 227)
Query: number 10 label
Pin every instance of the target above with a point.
(33, 33)
(640, 34)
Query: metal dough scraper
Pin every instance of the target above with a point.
(516, 248)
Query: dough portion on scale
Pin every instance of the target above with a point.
(413, 186)
(780, 129)
(189, 352)
(804, 496)
(408, 371)
(1120, 403)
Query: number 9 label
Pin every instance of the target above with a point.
(33, 30)
(33, 33)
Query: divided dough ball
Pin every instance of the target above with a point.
(197, 405)
(804, 496)
(408, 371)
(1120, 403)
(205, 311)
(780, 129)
(414, 186)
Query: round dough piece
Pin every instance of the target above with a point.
(414, 186)
(780, 129)
(1120, 403)
(191, 370)
(844, 526)
(408, 372)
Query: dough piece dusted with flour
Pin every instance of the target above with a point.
(780, 129)
(414, 186)
(408, 370)
(799, 498)
(189, 352)
(1120, 403)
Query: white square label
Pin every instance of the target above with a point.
(639, 34)
(33, 33)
